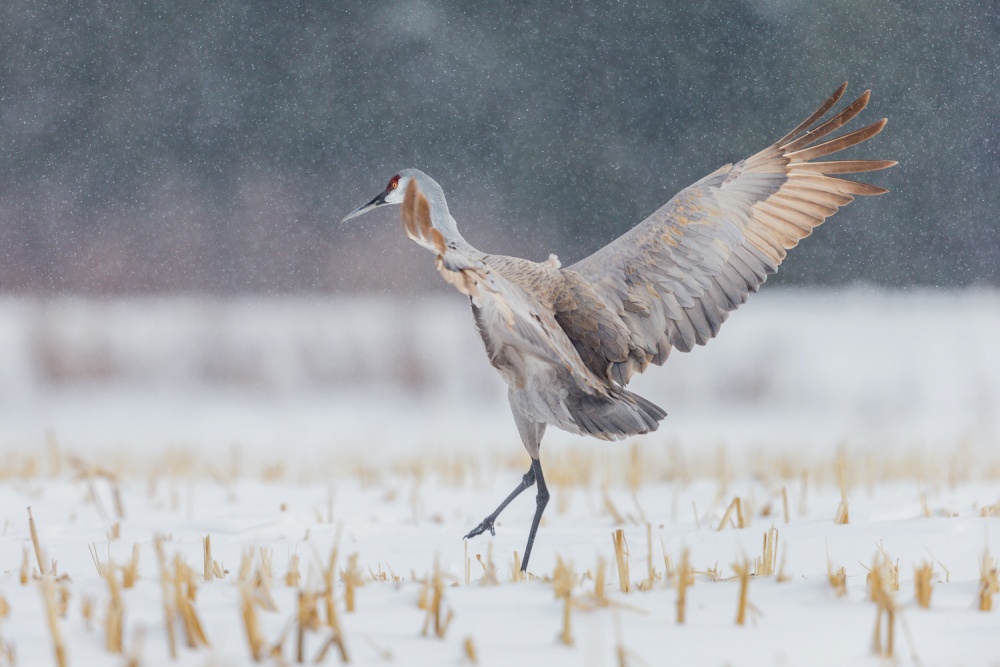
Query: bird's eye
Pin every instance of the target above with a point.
(394, 183)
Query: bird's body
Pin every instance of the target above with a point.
(568, 340)
(543, 390)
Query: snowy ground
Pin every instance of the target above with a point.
(279, 425)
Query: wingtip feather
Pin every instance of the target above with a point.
(816, 115)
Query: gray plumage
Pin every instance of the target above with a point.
(568, 340)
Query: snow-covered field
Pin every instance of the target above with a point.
(284, 427)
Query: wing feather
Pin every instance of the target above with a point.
(840, 143)
(843, 167)
(835, 123)
(674, 278)
(816, 115)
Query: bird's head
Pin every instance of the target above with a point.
(393, 193)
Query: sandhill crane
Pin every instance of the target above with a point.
(567, 340)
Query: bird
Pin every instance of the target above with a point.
(567, 340)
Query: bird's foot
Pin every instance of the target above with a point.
(487, 524)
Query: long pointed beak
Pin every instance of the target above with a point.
(374, 203)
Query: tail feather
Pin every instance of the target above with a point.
(616, 416)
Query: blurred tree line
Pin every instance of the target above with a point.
(183, 145)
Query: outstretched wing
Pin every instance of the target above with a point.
(674, 278)
(514, 316)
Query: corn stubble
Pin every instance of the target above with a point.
(55, 595)
(48, 587)
(923, 586)
(883, 580)
(185, 592)
(562, 586)
(989, 585)
(742, 570)
(8, 654)
(469, 650)
(432, 600)
(115, 620)
(764, 565)
(837, 578)
(622, 560)
(315, 610)
(737, 506)
(685, 578)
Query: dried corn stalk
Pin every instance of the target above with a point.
(332, 620)
(489, 577)
(880, 579)
(169, 611)
(293, 576)
(352, 579)
(650, 581)
(251, 624)
(736, 505)
(842, 516)
(130, 571)
(765, 564)
(7, 653)
(115, 620)
(562, 586)
(782, 577)
(49, 598)
(622, 560)
(206, 545)
(685, 578)
(988, 582)
(516, 575)
(743, 573)
(307, 620)
(923, 576)
(25, 574)
(838, 578)
(39, 554)
(185, 591)
(435, 608)
(469, 649)
(600, 592)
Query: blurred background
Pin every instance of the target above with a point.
(173, 173)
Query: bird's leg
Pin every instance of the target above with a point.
(487, 523)
(541, 500)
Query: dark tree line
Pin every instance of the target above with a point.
(189, 146)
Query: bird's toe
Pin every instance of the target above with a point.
(487, 524)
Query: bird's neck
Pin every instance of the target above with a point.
(442, 219)
(449, 229)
